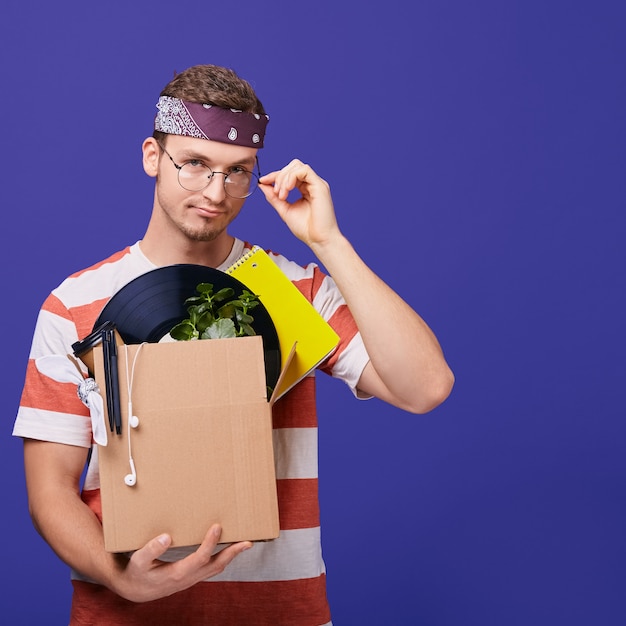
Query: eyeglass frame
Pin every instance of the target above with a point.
(210, 178)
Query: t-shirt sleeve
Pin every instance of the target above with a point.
(349, 359)
(51, 410)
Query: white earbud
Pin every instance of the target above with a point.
(131, 479)
(133, 420)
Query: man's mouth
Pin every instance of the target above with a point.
(209, 211)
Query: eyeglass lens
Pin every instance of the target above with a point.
(196, 176)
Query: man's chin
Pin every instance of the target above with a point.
(201, 234)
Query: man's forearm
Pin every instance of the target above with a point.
(404, 352)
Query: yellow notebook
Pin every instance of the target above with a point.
(296, 320)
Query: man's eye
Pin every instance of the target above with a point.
(195, 163)
(237, 170)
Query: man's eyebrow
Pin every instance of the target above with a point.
(192, 155)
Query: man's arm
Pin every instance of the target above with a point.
(74, 532)
(407, 367)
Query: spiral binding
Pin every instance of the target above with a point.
(241, 260)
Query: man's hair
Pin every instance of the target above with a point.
(212, 84)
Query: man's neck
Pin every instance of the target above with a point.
(209, 253)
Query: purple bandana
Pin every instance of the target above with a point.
(206, 121)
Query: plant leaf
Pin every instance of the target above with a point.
(246, 329)
(183, 331)
(194, 300)
(244, 318)
(222, 294)
(204, 288)
(227, 310)
(202, 307)
(193, 315)
(204, 321)
(220, 329)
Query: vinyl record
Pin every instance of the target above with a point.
(149, 306)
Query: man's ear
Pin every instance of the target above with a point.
(151, 153)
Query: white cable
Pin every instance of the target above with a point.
(132, 422)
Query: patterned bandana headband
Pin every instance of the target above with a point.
(207, 121)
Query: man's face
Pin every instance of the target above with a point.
(200, 215)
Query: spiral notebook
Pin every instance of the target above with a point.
(305, 338)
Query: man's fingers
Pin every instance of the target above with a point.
(225, 556)
(209, 543)
(205, 562)
(288, 178)
(154, 578)
(271, 196)
(152, 550)
(206, 550)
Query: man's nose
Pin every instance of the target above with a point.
(215, 190)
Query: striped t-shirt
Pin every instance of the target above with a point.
(279, 582)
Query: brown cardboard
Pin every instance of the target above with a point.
(203, 448)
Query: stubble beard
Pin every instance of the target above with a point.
(200, 234)
(207, 231)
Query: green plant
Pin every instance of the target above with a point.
(216, 315)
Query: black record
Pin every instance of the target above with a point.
(149, 306)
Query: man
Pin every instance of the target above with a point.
(202, 155)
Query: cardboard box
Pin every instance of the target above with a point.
(202, 450)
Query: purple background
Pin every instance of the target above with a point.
(476, 155)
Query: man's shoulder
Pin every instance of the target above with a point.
(103, 278)
(113, 259)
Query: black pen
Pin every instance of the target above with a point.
(115, 383)
(106, 355)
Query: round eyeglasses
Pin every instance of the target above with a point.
(195, 176)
